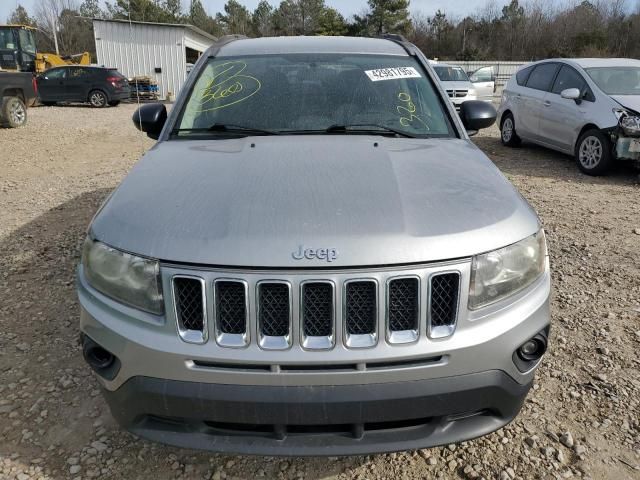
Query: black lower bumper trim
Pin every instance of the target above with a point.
(317, 420)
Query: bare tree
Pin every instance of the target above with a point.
(48, 14)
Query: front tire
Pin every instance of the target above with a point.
(13, 112)
(97, 99)
(508, 134)
(593, 153)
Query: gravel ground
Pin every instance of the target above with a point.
(581, 419)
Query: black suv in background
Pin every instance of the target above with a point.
(97, 86)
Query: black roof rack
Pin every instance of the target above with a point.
(396, 37)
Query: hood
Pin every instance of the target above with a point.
(458, 85)
(628, 101)
(369, 200)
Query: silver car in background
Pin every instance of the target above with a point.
(589, 108)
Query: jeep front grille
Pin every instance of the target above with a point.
(443, 307)
(317, 310)
(190, 302)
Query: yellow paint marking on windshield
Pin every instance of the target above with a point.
(228, 87)
(408, 111)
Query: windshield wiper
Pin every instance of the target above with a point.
(229, 128)
(369, 128)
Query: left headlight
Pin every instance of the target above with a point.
(127, 278)
(498, 274)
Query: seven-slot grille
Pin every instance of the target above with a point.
(359, 312)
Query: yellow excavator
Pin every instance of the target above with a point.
(18, 52)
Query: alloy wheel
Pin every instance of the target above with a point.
(590, 153)
(507, 130)
(18, 113)
(97, 99)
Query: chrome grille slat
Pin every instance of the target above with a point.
(189, 299)
(274, 314)
(317, 309)
(231, 307)
(402, 304)
(361, 308)
(444, 291)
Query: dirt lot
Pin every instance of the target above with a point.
(581, 420)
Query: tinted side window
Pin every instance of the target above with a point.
(56, 73)
(542, 76)
(570, 78)
(523, 75)
(78, 73)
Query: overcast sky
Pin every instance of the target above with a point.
(453, 8)
(346, 7)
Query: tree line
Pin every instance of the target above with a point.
(520, 30)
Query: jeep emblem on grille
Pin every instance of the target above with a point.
(328, 254)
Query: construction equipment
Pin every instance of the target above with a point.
(18, 52)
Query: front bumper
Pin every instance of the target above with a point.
(296, 402)
(317, 420)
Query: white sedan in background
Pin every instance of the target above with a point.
(589, 108)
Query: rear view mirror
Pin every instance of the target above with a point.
(570, 94)
(150, 119)
(476, 115)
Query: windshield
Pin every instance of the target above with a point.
(314, 93)
(616, 80)
(451, 74)
(7, 40)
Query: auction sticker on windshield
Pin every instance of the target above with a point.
(392, 73)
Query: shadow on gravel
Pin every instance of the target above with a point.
(52, 414)
(535, 161)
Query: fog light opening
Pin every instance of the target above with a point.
(101, 361)
(533, 349)
(99, 358)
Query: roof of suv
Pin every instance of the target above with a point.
(592, 62)
(285, 45)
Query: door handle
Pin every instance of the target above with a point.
(547, 103)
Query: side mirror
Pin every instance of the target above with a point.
(571, 94)
(476, 115)
(150, 119)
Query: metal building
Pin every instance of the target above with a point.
(161, 51)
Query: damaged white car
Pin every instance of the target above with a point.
(589, 108)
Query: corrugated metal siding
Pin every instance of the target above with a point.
(139, 49)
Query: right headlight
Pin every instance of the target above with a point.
(122, 276)
(498, 274)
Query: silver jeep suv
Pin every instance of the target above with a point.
(314, 259)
